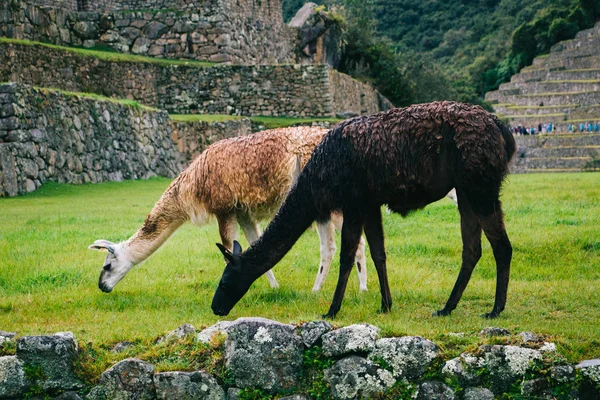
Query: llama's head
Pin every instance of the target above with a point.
(234, 284)
(116, 264)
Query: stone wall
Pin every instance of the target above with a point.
(277, 90)
(352, 362)
(50, 136)
(245, 32)
(47, 136)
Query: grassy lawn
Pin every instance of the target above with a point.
(48, 277)
(267, 122)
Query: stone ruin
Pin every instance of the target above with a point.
(357, 364)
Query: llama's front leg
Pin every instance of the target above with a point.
(326, 232)
(470, 229)
(227, 229)
(252, 233)
(375, 237)
(351, 231)
(361, 259)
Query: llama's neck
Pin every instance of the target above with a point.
(293, 218)
(164, 219)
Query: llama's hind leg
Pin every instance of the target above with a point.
(470, 229)
(252, 233)
(327, 240)
(227, 229)
(351, 230)
(493, 227)
(361, 259)
(375, 237)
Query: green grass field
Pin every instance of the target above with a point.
(48, 277)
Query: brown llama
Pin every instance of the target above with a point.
(405, 158)
(243, 180)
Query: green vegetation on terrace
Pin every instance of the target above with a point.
(267, 122)
(111, 55)
(48, 277)
(94, 96)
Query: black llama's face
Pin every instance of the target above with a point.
(233, 285)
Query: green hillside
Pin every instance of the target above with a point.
(469, 47)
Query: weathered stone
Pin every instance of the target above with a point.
(155, 29)
(220, 328)
(86, 30)
(311, 332)
(54, 356)
(68, 396)
(128, 379)
(477, 393)
(357, 378)
(506, 364)
(494, 331)
(181, 332)
(13, 382)
(141, 45)
(187, 386)
(274, 346)
(465, 369)
(590, 369)
(536, 388)
(6, 336)
(562, 373)
(122, 346)
(408, 356)
(295, 397)
(433, 390)
(528, 337)
(358, 338)
(233, 393)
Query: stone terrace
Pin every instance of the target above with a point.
(562, 87)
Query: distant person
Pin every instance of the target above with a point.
(596, 127)
(581, 127)
(539, 128)
(522, 130)
(589, 126)
(532, 130)
(571, 128)
(550, 127)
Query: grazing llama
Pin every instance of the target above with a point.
(243, 180)
(405, 158)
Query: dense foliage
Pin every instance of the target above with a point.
(421, 51)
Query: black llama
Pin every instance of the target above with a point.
(405, 158)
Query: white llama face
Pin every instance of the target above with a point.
(116, 264)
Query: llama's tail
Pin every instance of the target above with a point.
(295, 216)
(509, 140)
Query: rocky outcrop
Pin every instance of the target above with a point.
(265, 356)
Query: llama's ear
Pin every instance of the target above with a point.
(237, 248)
(226, 253)
(103, 245)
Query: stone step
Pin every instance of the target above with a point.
(572, 163)
(576, 62)
(589, 32)
(558, 140)
(511, 109)
(583, 51)
(573, 74)
(592, 41)
(552, 98)
(549, 86)
(560, 151)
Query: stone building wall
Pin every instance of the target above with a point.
(50, 136)
(245, 32)
(277, 90)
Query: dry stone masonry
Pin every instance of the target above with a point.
(272, 90)
(272, 358)
(51, 136)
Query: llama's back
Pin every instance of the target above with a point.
(252, 172)
(408, 156)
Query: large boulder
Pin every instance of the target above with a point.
(465, 369)
(351, 339)
(187, 386)
(128, 379)
(355, 377)
(478, 393)
(264, 354)
(51, 357)
(13, 382)
(408, 356)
